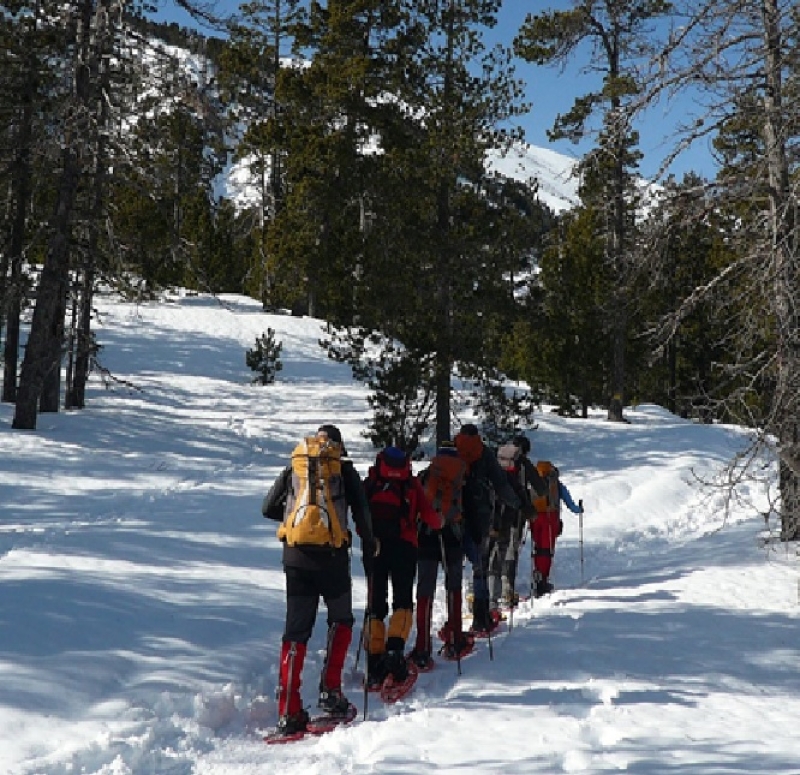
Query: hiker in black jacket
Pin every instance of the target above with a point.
(314, 571)
(485, 481)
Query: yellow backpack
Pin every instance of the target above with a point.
(316, 509)
(551, 501)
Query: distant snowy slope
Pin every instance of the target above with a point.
(553, 173)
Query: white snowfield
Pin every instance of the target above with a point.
(142, 603)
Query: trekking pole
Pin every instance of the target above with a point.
(493, 557)
(533, 565)
(448, 600)
(365, 636)
(484, 557)
(491, 647)
(580, 526)
(515, 550)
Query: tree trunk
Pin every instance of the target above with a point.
(22, 195)
(46, 328)
(43, 350)
(83, 350)
(785, 260)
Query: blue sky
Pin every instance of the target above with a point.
(552, 91)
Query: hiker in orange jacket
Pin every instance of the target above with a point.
(443, 481)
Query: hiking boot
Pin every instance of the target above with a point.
(290, 725)
(460, 648)
(333, 702)
(481, 621)
(376, 671)
(422, 659)
(396, 665)
(509, 597)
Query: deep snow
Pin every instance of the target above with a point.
(141, 602)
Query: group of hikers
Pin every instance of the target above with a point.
(471, 502)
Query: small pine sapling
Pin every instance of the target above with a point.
(264, 359)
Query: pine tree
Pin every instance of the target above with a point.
(27, 86)
(406, 240)
(571, 349)
(619, 31)
(258, 44)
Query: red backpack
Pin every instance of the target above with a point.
(386, 486)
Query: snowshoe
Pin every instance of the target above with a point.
(289, 728)
(462, 647)
(394, 689)
(327, 722)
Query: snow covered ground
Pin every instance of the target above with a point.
(141, 592)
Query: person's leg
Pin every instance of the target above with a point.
(454, 557)
(509, 573)
(375, 640)
(338, 598)
(493, 568)
(403, 561)
(543, 553)
(480, 607)
(427, 571)
(302, 601)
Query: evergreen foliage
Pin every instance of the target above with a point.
(621, 34)
(264, 359)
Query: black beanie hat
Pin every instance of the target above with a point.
(523, 442)
(470, 429)
(332, 432)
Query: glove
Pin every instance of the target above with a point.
(370, 548)
(527, 510)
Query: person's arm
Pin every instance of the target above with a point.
(565, 496)
(357, 501)
(499, 480)
(426, 512)
(274, 503)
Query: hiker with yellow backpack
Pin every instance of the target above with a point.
(311, 498)
(547, 526)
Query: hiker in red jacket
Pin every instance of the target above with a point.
(397, 503)
(547, 526)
